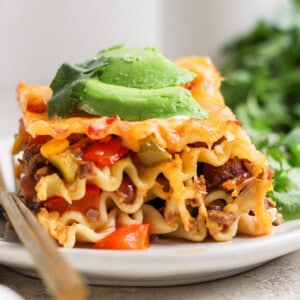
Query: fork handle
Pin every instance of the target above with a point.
(63, 282)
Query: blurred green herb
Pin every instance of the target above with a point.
(262, 87)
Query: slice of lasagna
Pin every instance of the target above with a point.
(88, 174)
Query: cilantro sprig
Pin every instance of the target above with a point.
(67, 78)
(262, 86)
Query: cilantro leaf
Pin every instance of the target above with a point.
(262, 71)
(67, 78)
(288, 204)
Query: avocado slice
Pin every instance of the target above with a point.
(134, 83)
(98, 98)
(143, 68)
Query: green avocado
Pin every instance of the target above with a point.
(135, 84)
(132, 104)
(143, 68)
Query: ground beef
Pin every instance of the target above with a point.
(221, 217)
(27, 184)
(87, 169)
(215, 176)
(32, 159)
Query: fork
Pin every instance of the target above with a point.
(62, 281)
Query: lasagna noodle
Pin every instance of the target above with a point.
(191, 142)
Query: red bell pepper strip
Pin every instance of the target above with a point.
(89, 201)
(105, 154)
(126, 237)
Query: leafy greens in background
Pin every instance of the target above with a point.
(262, 86)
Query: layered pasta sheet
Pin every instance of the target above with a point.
(187, 178)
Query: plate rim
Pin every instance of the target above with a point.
(185, 260)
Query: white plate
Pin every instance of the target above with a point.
(166, 262)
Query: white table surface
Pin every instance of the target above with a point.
(278, 279)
